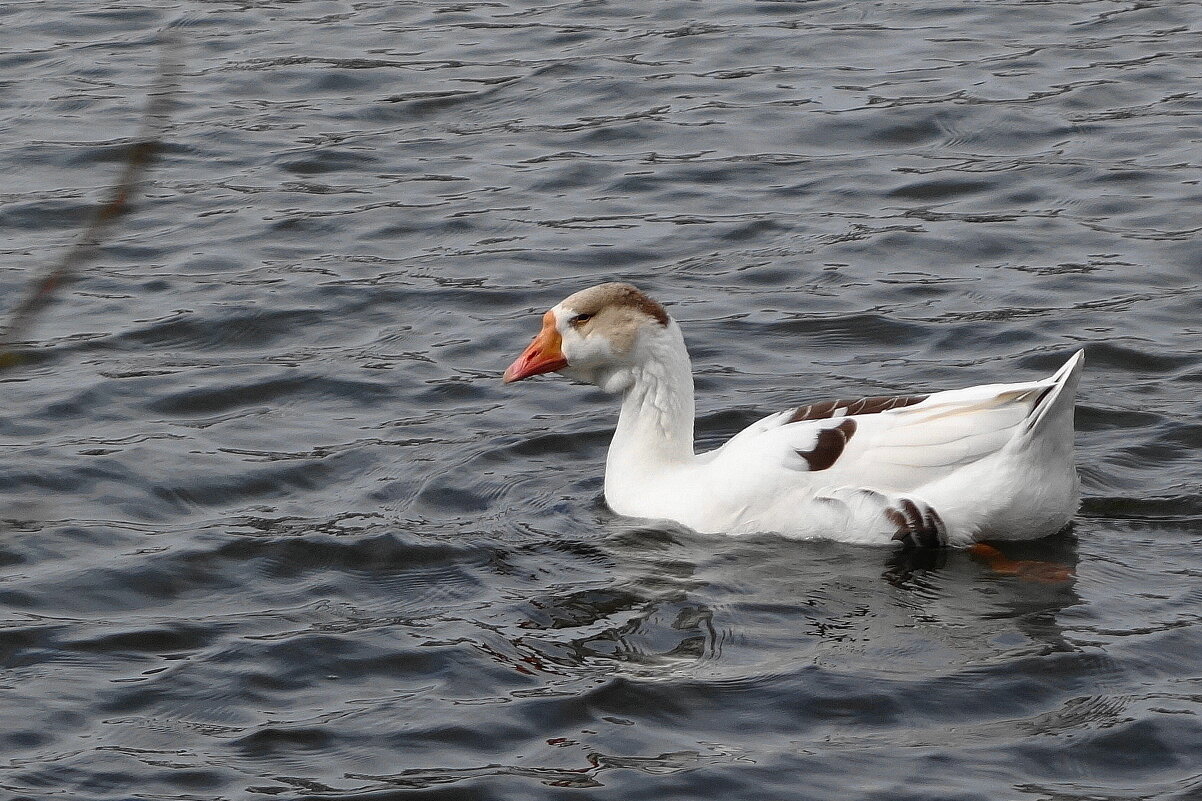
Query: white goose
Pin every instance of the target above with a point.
(949, 468)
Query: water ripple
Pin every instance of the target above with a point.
(272, 526)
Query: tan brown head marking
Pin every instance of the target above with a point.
(596, 299)
(616, 311)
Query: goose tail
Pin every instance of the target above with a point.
(1054, 411)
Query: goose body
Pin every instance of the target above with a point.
(948, 468)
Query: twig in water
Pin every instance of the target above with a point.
(154, 122)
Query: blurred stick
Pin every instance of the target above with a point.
(43, 290)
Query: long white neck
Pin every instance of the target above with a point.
(655, 428)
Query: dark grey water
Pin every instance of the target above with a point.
(272, 526)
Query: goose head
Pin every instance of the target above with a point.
(600, 335)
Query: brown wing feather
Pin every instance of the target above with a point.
(830, 445)
(827, 409)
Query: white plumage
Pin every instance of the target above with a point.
(986, 462)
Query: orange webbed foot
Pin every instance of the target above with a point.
(1024, 569)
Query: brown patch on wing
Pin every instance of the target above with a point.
(917, 527)
(827, 409)
(830, 445)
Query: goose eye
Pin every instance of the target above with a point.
(580, 319)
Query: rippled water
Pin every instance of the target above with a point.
(272, 526)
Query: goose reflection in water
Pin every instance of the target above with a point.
(679, 600)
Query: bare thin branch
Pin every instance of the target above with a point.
(43, 290)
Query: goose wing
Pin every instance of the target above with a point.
(891, 443)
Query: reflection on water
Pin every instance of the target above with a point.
(270, 524)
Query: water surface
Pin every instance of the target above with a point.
(271, 525)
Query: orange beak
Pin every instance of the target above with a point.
(543, 355)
